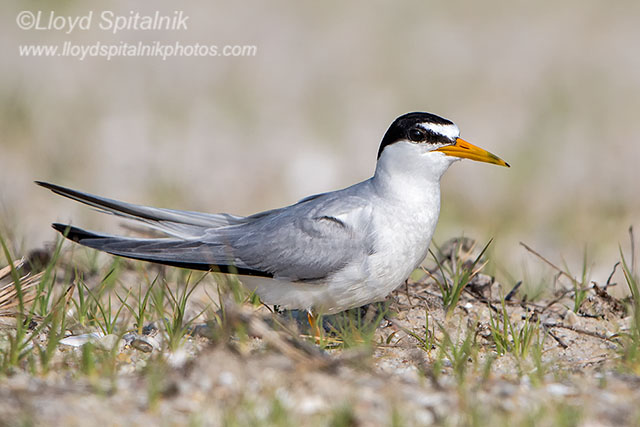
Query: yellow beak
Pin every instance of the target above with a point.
(466, 150)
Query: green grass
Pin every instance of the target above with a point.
(140, 310)
(176, 323)
(105, 316)
(89, 301)
(355, 327)
(20, 343)
(630, 344)
(513, 338)
(580, 286)
(455, 275)
(119, 296)
(458, 352)
(426, 340)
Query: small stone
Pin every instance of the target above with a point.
(226, 379)
(144, 343)
(424, 417)
(481, 284)
(310, 405)
(571, 319)
(556, 389)
(205, 330)
(124, 358)
(129, 337)
(178, 358)
(108, 342)
(150, 329)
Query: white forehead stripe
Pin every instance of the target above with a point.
(450, 131)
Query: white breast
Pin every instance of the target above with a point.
(404, 197)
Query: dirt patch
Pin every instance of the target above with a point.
(490, 360)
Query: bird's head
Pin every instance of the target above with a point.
(426, 143)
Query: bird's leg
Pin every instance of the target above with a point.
(313, 324)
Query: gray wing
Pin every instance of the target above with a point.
(173, 222)
(304, 242)
(307, 241)
(186, 253)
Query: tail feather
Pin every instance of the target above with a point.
(177, 223)
(185, 253)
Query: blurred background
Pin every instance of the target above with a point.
(551, 87)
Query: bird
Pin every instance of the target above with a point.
(326, 253)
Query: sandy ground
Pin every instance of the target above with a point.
(407, 376)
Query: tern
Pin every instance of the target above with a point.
(327, 253)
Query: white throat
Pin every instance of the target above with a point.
(411, 172)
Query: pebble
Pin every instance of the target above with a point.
(178, 358)
(226, 379)
(424, 417)
(108, 342)
(556, 389)
(144, 343)
(310, 405)
(150, 329)
(204, 330)
(571, 319)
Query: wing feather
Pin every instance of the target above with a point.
(308, 241)
(173, 222)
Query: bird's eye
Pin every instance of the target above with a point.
(417, 135)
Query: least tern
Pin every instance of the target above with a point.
(328, 252)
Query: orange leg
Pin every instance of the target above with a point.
(313, 324)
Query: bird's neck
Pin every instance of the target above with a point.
(411, 184)
(407, 216)
(406, 188)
